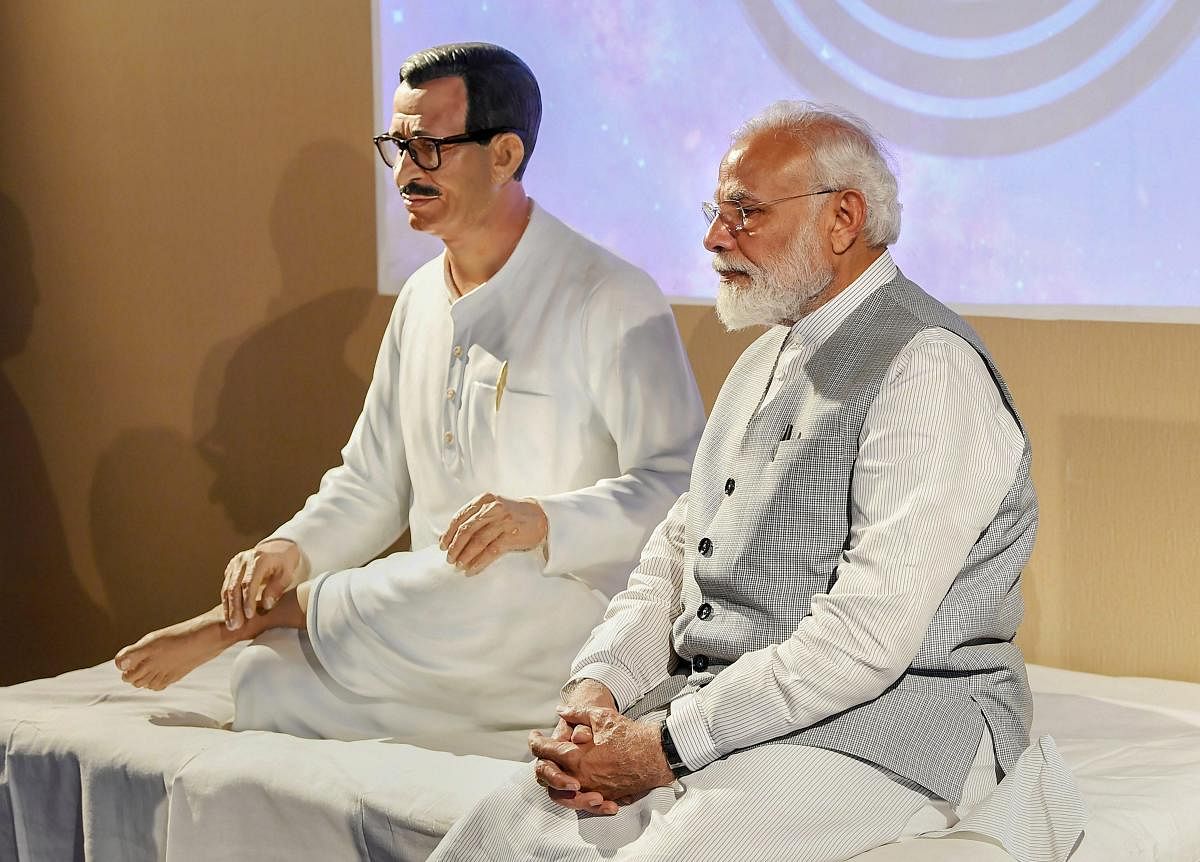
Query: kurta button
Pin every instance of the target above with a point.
(705, 547)
(457, 350)
(700, 663)
(449, 394)
(704, 611)
(729, 485)
(449, 438)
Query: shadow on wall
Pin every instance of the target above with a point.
(273, 407)
(159, 547)
(39, 591)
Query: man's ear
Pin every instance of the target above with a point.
(849, 219)
(507, 154)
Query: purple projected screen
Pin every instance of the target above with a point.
(1046, 150)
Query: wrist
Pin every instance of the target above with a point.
(280, 543)
(543, 525)
(295, 560)
(588, 692)
(670, 753)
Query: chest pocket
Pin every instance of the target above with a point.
(807, 486)
(512, 441)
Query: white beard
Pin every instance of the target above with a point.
(779, 290)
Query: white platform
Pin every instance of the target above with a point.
(95, 769)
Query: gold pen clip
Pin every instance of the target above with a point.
(500, 383)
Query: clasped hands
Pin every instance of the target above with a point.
(597, 759)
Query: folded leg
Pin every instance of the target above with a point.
(472, 663)
(279, 685)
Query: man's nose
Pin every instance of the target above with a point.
(719, 237)
(405, 169)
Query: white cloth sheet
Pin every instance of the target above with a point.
(94, 769)
(1133, 745)
(98, 770)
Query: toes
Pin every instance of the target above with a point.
(131, 666)
(126, 658)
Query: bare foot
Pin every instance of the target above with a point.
(168, 655)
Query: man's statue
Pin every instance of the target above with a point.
(530, 419)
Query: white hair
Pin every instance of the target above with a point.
(846, 153)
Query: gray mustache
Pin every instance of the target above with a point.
(720, 265)
(415, 188)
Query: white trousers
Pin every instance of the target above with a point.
(409, 648)
(773, 802)
(279, 685)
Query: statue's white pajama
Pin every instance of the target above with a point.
(411, 648)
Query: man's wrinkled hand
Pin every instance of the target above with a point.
(615, 757)
(563, 788)
(585, 692)
(489, 527)
(262, 573)
(564, 791)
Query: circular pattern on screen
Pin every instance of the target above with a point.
(975, 77)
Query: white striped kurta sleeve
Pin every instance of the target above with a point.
(937, 454)
(630, 652)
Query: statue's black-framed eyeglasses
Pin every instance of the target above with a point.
(425, 150)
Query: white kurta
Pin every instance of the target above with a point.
(563, 379)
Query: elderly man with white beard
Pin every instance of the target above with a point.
(814, 657)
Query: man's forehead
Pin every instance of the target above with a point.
(730, 183)
(760, 165)
(436, 106)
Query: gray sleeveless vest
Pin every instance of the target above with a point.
(761, 553)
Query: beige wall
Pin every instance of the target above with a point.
(189, 320)
(1114, 414)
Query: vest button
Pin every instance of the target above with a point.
(729, 485)
(704, 611)
(700, 663)
(705, 547)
